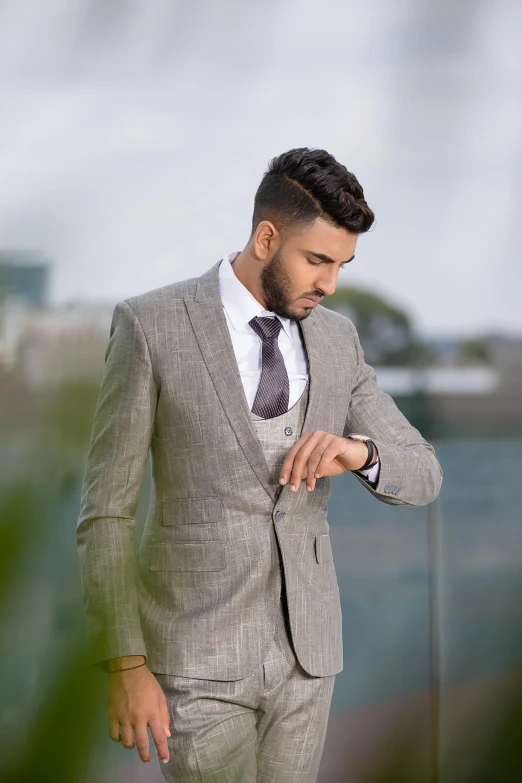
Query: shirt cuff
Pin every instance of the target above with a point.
(370, 474)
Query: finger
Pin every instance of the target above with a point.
(165, 717)
(142, 742)
(313, 460)
(127, 736)
(321, 457)
(299, 469)
(286, 467)
(114, 728)
(160, 739)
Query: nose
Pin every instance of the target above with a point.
(327, 282)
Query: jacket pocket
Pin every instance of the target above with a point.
(188, 556)
(323, 548)
(324, 557)
(194, 519)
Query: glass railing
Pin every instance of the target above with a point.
(431, 616)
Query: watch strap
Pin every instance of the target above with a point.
(371, 455)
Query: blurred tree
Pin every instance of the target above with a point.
(51, 700)
(473, 351)
(386, 331)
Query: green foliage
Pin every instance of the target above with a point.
(386, 331)
(51, 699)
(474, 351)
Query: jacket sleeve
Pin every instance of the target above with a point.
(120, 439)
(410, 474)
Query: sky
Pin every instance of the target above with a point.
(134, 134)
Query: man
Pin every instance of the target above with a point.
(223, 633)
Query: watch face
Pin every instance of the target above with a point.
(358, 437)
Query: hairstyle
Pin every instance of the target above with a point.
(303, 184)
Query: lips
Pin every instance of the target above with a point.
(311, 299)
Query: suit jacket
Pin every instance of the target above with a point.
(199, 597)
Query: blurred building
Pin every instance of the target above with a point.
(61, 344)
(24, 277)
(447, 400)
(43, 345)
(467, 387)
(24, 282)
(494, 409)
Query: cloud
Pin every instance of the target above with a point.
(137, 133)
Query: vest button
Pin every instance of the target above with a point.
(280, 515)
(288, 430)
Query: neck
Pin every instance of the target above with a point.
(247, 269)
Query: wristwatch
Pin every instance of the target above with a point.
(371, 449)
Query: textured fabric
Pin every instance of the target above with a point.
(221, 538)
(278, 434)
(273, 391)
(269, 727)
(240, 306)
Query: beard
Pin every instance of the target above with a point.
(276, 287)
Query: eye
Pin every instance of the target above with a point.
(318, 263)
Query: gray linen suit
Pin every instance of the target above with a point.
(202, 597)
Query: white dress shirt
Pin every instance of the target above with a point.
(240, 307)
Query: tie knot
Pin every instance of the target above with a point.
(266, 328)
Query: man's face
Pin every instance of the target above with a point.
(296, 269)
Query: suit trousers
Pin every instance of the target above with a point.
(268, 727)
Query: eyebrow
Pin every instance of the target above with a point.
(327, 258)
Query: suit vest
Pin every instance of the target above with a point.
(277, 436)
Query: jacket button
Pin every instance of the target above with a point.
(280, 515)
(288, 430)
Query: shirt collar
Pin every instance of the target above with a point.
(240, 305)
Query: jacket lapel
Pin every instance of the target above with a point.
(210, 327)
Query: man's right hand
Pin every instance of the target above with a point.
(135, 700)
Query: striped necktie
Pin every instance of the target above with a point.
(274, 387)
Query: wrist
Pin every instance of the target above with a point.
(375, 458)
(362, 455)
(369, 453)
(125, 662)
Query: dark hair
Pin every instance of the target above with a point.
(303, 184)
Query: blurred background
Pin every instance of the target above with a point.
(134, 134)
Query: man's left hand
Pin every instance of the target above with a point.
(318, 454)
